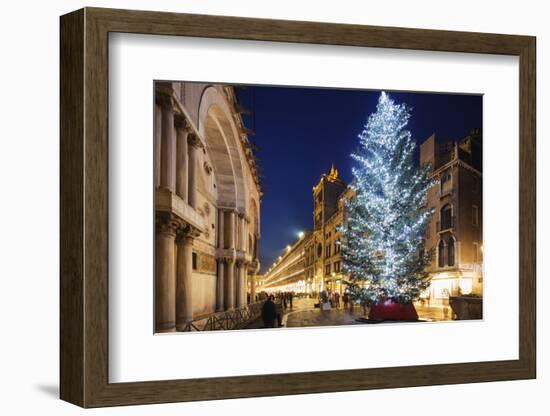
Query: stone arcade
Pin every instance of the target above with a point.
(207, 199)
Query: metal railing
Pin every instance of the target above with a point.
(226, 320)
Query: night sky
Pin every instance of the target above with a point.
(300, 132)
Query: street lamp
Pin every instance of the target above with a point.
(301, 235)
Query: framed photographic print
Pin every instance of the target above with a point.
(232, 188)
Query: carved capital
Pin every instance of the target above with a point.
(193, 140)
(254, 266)
(167, 224)
(181, 123)
(186, 234)
(228, 261)
(164, 100)
(241, 263)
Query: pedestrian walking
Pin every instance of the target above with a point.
(290, 296)
(325, 301)
(279, 313)
(345, 298)
(269, 313)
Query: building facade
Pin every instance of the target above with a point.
(454, 232)
(207, 204)
(288, 271)
(329, 195)
(314, 263)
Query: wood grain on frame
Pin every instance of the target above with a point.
(84, 207)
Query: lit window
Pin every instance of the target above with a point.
(446, 217)
(451, 252)
(441, 254)
(194, 261)
(446, 182)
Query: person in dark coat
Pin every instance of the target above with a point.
(269, 313)
(279, 313)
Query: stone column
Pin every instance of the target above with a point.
(245, 284)
(230, 285)
(231, 229)
(252, 287)
(245, 228)
(165, 279)
(220, 285)
(156, 143)
(245, 291)
(236, 284)
(184, 280)
(246, 241)
(237, 231)
(221, 265)
(240, 284)
(168, 147)
(240, 223)
(194, 145)
(182, 158)
(230, 264)
(221, 229)
(243, 233)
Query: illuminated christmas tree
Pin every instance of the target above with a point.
(383, 240)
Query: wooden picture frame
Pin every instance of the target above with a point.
(84, 207)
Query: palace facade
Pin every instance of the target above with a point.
(314, 262)
(207, 204)
(455, 231)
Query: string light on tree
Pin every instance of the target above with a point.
(383, 245)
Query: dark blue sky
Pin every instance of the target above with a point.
(300, 132)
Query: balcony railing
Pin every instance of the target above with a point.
(446, 224)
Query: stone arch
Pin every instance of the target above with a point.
(221, 139)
